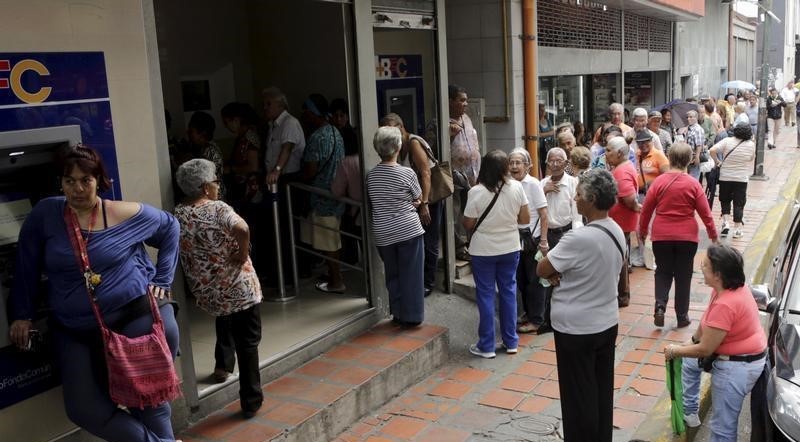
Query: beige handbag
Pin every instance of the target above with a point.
(441, 178)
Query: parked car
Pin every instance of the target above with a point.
(779, 299)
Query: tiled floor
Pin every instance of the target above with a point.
(302, 394)
(284, 325)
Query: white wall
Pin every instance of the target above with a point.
(116, 28)
(702, 48)
(475, 61)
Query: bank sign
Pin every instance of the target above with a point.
(49, 89)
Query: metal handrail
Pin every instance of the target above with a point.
(294, 247)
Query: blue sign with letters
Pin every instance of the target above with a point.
(48, 89)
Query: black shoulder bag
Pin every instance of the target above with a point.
(485, 212)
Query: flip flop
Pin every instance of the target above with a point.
(323, 287)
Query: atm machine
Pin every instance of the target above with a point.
(27, 174)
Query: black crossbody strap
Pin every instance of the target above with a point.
(729, 154)
(610, 235)
(488, 208)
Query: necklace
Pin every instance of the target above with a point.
(81, 246)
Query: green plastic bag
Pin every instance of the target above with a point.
(675, 388)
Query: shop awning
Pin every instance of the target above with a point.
(670, 10)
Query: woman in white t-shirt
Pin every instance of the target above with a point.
(494, 249)
(533, 295)
(734, 156)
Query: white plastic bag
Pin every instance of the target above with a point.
(707, 166)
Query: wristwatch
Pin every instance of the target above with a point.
(278, 168)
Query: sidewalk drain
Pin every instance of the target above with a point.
(539, 427)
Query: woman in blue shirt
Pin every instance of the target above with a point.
(115, 233)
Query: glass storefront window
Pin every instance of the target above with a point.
(638, 90)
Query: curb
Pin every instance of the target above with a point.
(758, 259)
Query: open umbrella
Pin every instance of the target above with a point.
(675, 387)
(738, 84)
(679, 108)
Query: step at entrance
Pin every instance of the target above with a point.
(322, 398)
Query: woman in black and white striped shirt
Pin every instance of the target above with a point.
(394, 194)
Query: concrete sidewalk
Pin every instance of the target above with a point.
(516, 397)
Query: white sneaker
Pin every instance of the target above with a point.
(692, 420)
(737, 233)
(511, 351)
(725, 229)
(484, 354)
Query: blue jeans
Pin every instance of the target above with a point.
(500, 271)
(85, 382)
(431, 239)
(694, 171)
(730, 383)
(403, 266)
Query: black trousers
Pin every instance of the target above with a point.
(532, 294)
(586, 384)
(241, 332)
(736, 192)
(624, 284)
(674, 261)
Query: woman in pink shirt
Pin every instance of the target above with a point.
(672, 200)
(730, 332)
(625, 211)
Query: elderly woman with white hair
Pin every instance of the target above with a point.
(215, 254)
(533, 238)
(625, 211)
(394, 194)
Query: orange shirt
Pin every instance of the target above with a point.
(649, 167)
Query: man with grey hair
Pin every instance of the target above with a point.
(282, 160)
(616, 113)
(640, 123)
(696, 138)
(562, 213)
(286, 141)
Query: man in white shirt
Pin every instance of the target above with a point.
(282, 161)
(789, 95)
(286, 141)
(562, 213)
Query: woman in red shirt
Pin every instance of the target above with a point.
(731, 330)
(625, 211)
(672, 200)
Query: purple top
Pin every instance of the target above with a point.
(117, 253)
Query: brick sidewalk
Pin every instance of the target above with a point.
(515, 397)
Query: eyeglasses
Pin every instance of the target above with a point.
(516, 163)
(556, 162)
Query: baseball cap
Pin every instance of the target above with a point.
(643, 135)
